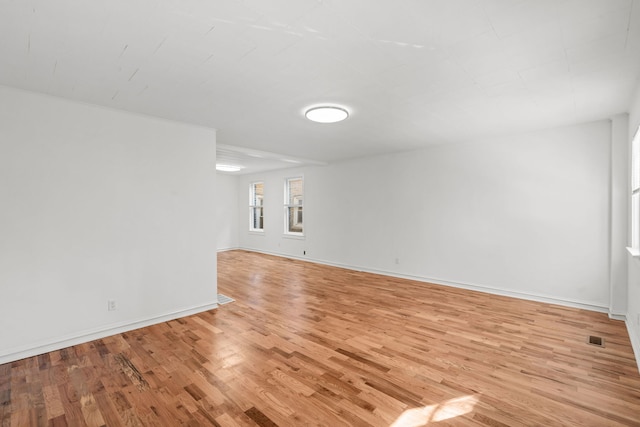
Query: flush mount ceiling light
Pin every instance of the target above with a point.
(228, 168)
(326, 114)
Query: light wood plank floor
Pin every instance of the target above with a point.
(305, 344)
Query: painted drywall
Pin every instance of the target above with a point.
(227, 217)
(619, 208)
(526, 215)
(633, 288)
(99, 205)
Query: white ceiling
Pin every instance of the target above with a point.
(412, 72)
(251, 161)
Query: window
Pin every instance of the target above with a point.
(635, 193)
(256, 206)
(293, 201)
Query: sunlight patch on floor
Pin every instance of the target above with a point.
(438, 412)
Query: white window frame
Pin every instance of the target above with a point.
(253, 205)
(287, 207)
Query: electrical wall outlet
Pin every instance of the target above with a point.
(111, 305)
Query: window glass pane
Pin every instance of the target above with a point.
(295, 191)
(258, 219)
(295, 219)
(635, 219)
(635, 162)
(258, 194)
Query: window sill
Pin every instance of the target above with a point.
(293, 236)
(257, 232)
(634, 252)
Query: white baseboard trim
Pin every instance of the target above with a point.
(227, 249)
(634, 336)
(85, 336)
(472, 287)
(614, 316)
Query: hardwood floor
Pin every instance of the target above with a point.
(305, 344)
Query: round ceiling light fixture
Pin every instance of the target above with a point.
(326, 114)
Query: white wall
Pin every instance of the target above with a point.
(525, 216)
(99, 205)
(619, 211)
(227, 211)
(633, 289)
